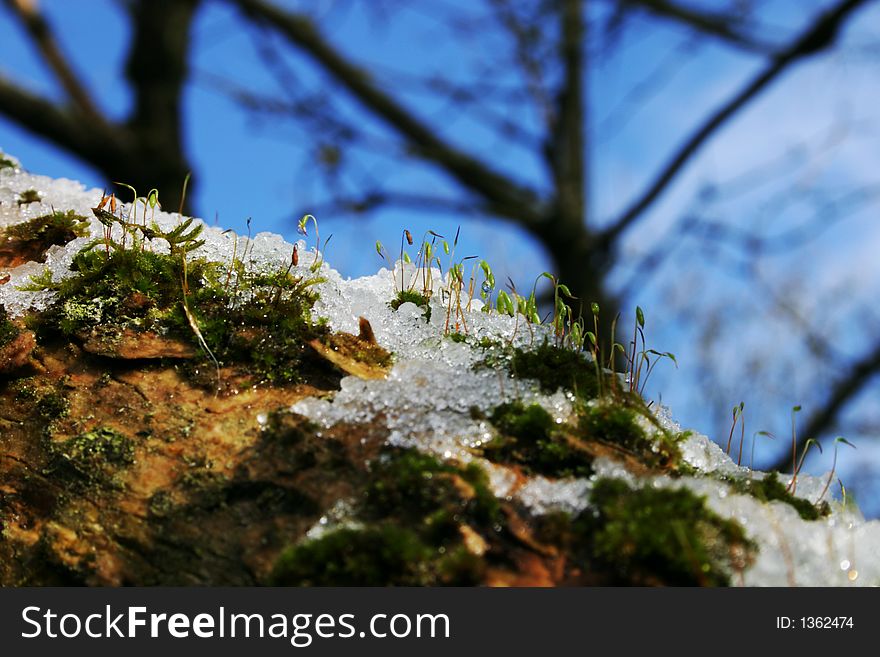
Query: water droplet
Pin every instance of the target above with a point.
(845, 564)
(262, 418)
(486, 287)
(853, 575)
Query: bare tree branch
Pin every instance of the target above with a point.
(505, 196)
(93, 142)
(40, 32)
(565, 148)
(719, 25)
(818, 37)
(156, 69)
(524, 38)
(375, 199)
(842, 393)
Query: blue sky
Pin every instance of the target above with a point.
(815, 132)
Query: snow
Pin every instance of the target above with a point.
(427, 400)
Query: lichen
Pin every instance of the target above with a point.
(94, 455)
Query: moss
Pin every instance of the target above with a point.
(8, 330)
(648, 536)
(770, 489)
(52, 405)
(264, 332)
(300, 443)
(29, 196)
(552, 367)
(614, 421)
(411, 296)
(408, 529)
(528, 437)
(94, 455)
(6, 163)
(420, 488)
(25, 389)
(382, 555)
(260, 322)
(56, 228)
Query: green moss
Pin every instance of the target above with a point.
(383, 555)
(407, 529)
(52, 405)
(552, 367)
(649, 536)
(8, 330)
(257, 321)
(25, 390)
(770, 489)
(421, 489)
(263, 327)
(29, 196)
(411, 296)
(6, 163)
(56, 228)
(614, 421)
(528, 437)
(132, 288)
(94, 455)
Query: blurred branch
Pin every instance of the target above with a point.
(376, 199)
(93, 142)
(156, 68)
(566, 151)
(641, 93)
(827, 213)
(505, 196)
(525, 39)
(842, 392)
(721, 26)
(40, 32)
(818, 37)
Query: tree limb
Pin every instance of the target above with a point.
(93, 142)
(566, 149)
(505, 196)
(859, 375)
(40, 33)
(525, 44)
(157, 66)
(713, 24)
(375, 199)
(818, 37)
